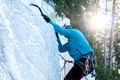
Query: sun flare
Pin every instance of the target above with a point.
(99, 21)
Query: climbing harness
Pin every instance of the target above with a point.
(87, 66)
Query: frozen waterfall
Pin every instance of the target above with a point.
(26, 42)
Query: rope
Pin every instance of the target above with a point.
(86, 72)
(65, 61)
(88, 65)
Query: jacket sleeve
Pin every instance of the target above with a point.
(60, 30)
(62, 48)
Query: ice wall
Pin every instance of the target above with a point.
(28, 47)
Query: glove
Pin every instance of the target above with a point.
(46, 18)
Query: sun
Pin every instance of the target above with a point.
(99, 21)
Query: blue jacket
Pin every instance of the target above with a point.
(77, 45)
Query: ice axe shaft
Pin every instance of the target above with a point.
(37, 7)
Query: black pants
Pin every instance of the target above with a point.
(76, 72)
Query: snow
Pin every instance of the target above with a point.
(26, 42)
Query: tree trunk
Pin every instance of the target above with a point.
(112, 38)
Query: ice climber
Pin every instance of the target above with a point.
(78, 48)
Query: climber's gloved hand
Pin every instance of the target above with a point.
(46, 18)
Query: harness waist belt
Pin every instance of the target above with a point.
(89, 54)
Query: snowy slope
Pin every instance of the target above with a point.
(26, 42)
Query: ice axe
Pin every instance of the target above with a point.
(37, 7)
